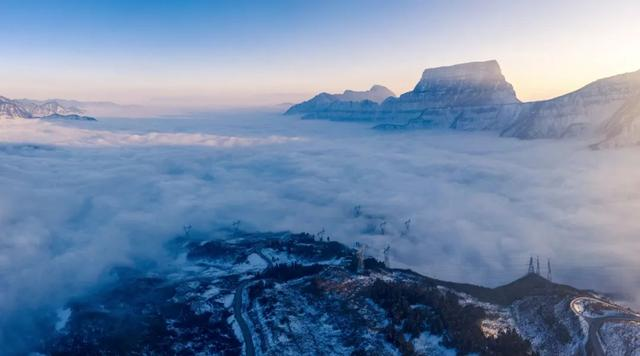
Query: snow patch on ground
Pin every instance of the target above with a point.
(63, 317)
(227, 300)
(429, 344)
(621, 338)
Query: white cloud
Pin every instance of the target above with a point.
(76, 198)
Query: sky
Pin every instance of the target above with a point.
(234, 53)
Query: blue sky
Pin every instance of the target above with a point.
(232, 52)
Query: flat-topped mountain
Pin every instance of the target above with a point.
(468, 84)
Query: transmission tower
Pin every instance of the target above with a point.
(382, 226)
(407, 227)
(362, 250)
(187, 230)
(321, 234)
(538, 265)
(236, 227)
(386, 256)
(531, 269)
(357, 211)
(549, 269)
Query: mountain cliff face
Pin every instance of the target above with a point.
(325, 102)
(462, 85)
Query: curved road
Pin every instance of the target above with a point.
(244, 327)
(238, 311)
(594, 342)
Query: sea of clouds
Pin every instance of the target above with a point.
(79, 197)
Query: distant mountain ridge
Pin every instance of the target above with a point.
(476, 96)
(35, 109)
(328, 102)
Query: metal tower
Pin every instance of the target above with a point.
(362, 250)
(187, 230)
(382, 226)
(549, 269)
(531, 269)
(407, 227)
(538, 265)
(386, 256)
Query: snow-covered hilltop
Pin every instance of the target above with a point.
(35, 109)
(476, 96)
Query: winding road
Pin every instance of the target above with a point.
(242, 323)
(238, 307)
(594, 342)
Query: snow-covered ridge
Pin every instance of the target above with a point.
(588, 111)
(31, 109)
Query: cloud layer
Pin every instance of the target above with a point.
(76, 198)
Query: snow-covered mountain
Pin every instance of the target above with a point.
(337, 102)
(464, 96)
(9, 109)
(585, 112)
(476, 96)
(623, 128)
(33, 109)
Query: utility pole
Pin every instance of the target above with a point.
(549, 269)
(531, 270)
(538, 265)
